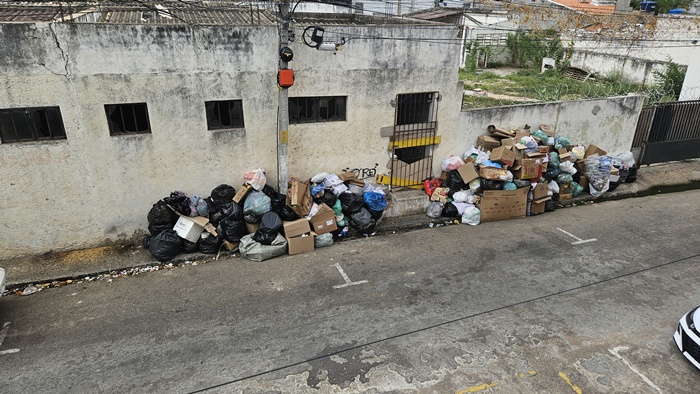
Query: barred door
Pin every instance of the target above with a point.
(414, 138)
(669, 132)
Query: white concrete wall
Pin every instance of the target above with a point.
(674, 37)
(92, 188)
(607, 65)
(608, 123)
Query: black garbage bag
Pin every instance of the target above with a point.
(270, 192)
(180, 202)
(189, 247)
(223, 194)
(161, 214)
(368, 229)
(551, 173)
(491, 184)
(278, 202)
(146, 241)
(613, 186)
(376, 215)
(577, 176)
(156, 229)
(454, 181)
(232, 210)
(327, 198)
(251, 218)
(361, 218)
(165, 246)
(351, 202)
(232, 229)
(286, 213)
(521, 183)
(632, 176)
(270, 225)
(210, 244)
(550, 206)
(450, 211)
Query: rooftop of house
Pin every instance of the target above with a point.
(177, 13)
(587, 6)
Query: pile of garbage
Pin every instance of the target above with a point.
(513, 173)
(261, 223)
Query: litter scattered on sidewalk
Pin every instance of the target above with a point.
(513, 173)
(259, 222)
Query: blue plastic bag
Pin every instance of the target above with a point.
(257, 203)
(375, 201)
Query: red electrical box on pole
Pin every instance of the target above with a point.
(285, 78)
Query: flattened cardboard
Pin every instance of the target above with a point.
(324, 220)
(503, 155)
(486, 142)
(503, 204)
(508, 142)
(467, 172)
(299, 197)
(242, 192)
(295, 227)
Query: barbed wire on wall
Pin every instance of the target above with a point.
(480, 98)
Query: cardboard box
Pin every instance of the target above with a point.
(499, 174)
(252, 228)
(522, 133)
(565, 188)
(583, 182)
(540, 191)
(592, 150)
(503, 204)
(301, 243)
(565, 196)
(543, 148)
(190, 228)
(299, 197)
(508, 142)
(486, 142)
(295, 227)
(528, 169)
(519, 150)
(350, 178)
(547, 129)
(242, 192)
(467, 172)
(537, 207)
(324, 220)
(503, 155)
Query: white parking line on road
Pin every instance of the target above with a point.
(348, 282)
(578, 240)
(3, 333)
(615, 352)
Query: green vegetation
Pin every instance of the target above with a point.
(670, 81)
(527, 49)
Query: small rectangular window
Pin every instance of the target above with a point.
(127, 118)
(416, 108)
(317, 109)
(31, 124)
(226, 114)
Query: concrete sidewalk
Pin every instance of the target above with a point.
(407, 206)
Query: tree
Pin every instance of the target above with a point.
(670, 81)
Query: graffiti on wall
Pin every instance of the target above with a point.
(363, 173)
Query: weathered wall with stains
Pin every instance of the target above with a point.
(608, 123)
(627, 68)
(375, 65)
(93, 188)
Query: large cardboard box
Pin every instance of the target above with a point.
(324, 220)
(540, 191)
(295, 227)
(468, 172)
(503, 155)
(527, 169)
(190, 228)
(486, 142)
(503, 204)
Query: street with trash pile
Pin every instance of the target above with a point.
(578, 300)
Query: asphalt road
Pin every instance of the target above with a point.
(581, 300)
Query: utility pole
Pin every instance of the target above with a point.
(283, 105)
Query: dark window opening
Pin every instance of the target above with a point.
(31, 124)
(127, 118)
(317, 109)
(224, 114)
(414, 108)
